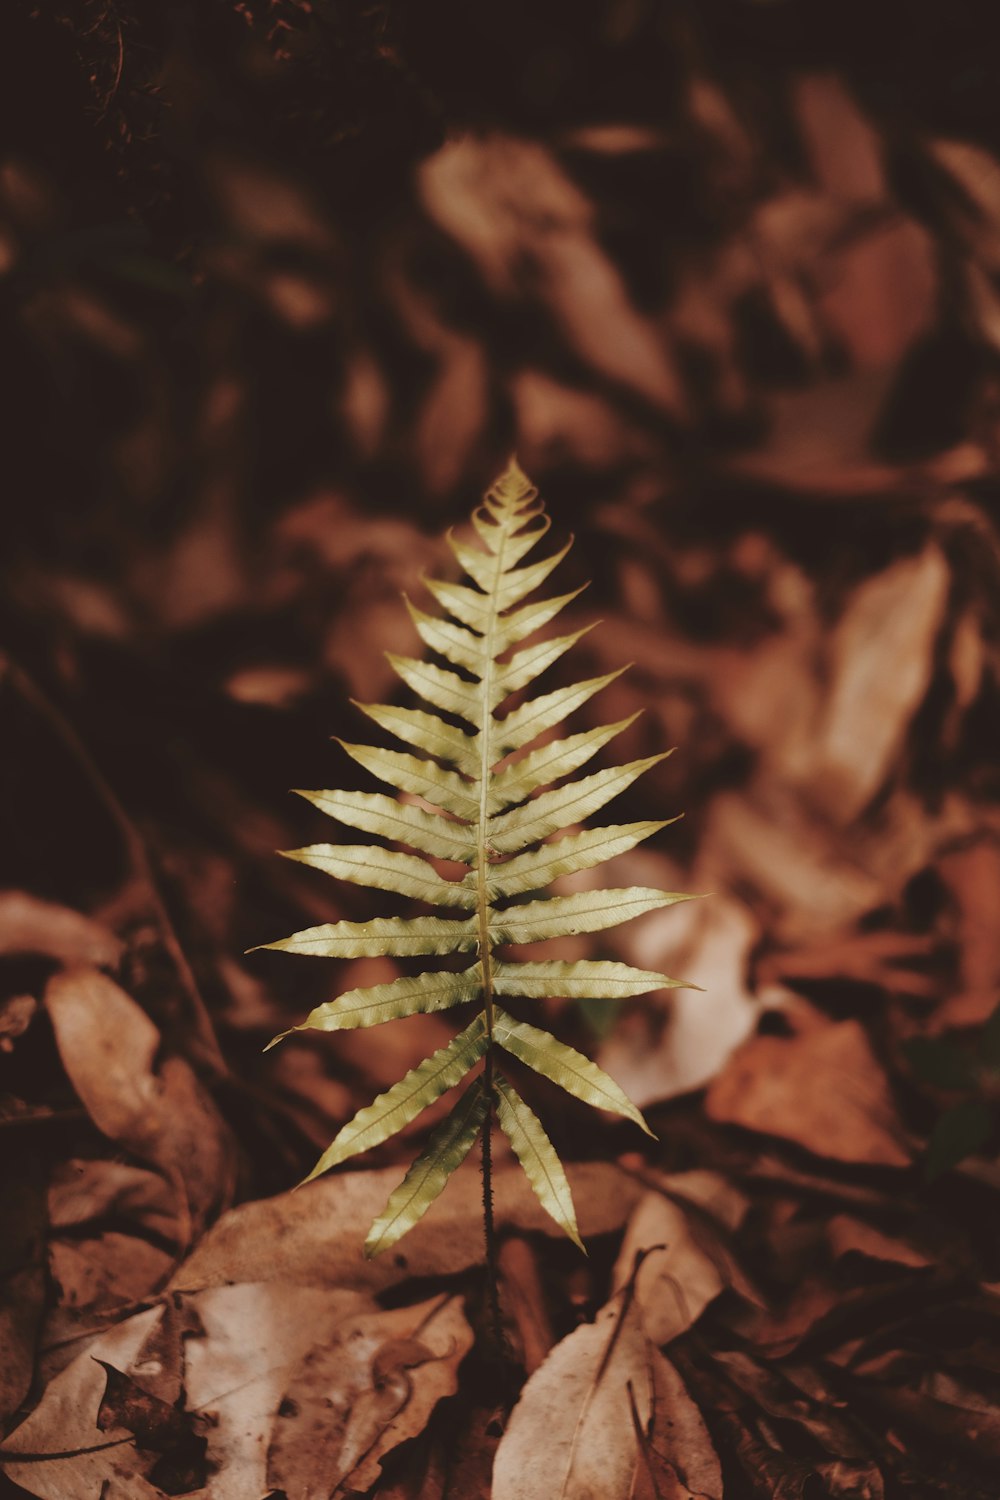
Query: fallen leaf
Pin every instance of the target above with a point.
(790, 1406)
(104, 1272)
(822, 1089)
(16, 1015)
(843, 146)
(65, 1423)
(158, 1427)
(30, 925)
(522, 1296)
(677, 1040)
(82, 1191)
(108, 1047)
(879, 293)
(316, 1235)
(848, 1235)
(255, 1337)
(676, 1264)
(971, 876)
(240, 1349)
(494, 195)
(882, 660)
(606, 1415)
(357, 1396)
(775, 848)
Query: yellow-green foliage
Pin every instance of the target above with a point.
(498, 808)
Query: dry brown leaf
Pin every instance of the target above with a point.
(83, 1190)
(882, 659)
(30, 925)
(354, 1398)
(843, 147)
(101, 1273)
(803, 1404)
(16, 1015)
(240, 1346)
(522, 1296)
(674, 1284)
(822, 1089)
(880, 292)
(316, 1235)
(66, 1420)
(560, 423)
(606, 1415)
(847, 1234)
(677, 1040)
(971, 874)
(108, 1046)
(788, 859)
(510, 205)
(883, 957)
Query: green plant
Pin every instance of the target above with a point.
(967, 1076)
(485, 803)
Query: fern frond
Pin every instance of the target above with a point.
(494, 814)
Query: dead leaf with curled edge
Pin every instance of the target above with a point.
(882, 662)
(31, 925)
(607, 1415)
(108, 1046)
(317, 1235)
(677, 1040)
(225, 1355)
(822, 1088)
(510, 205)
(361, 1393)
(690, 1265)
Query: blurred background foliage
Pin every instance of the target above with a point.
(282, 284)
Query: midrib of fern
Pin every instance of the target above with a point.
(482, 842)
(483, 912)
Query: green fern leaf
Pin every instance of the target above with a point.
(577, 851)
(384, 870)
(524, 622)
(488, 797)
(426, 732)
(565, 916)
(570, 1069)
(402, 937)
(540, 714)
(551, 762)
(446, 690)
(586, 979)
(408, 1098)
(446, 1149)
(420, 777)
(564, 805)
(374, 812)
(538, 1157)
(459, 646)
(414, 995)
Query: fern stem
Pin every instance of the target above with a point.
(489, 1227)
(486, 946)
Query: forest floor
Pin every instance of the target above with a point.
(746, 342)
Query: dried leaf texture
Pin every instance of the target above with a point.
(490, 803)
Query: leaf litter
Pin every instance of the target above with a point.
(777, 1302)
